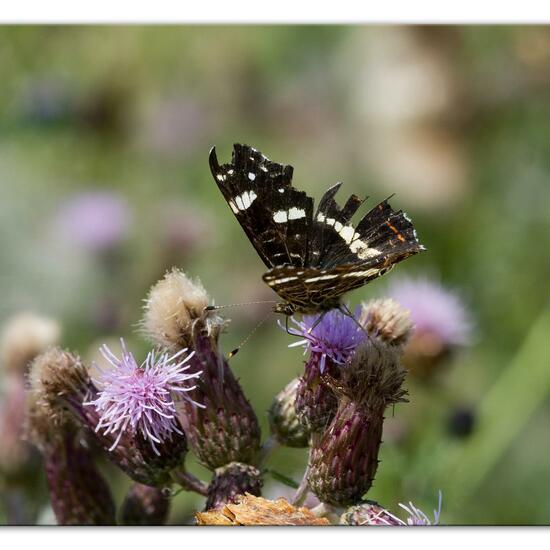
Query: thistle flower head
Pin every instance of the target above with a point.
(418, 517)
(335, 336)
(173, 304)
(434, 309)
(140, 398)
(386, 320)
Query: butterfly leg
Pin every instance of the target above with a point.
(344, 309)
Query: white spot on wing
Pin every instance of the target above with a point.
(245, 199)
(281, 190)
(220, 177)
(281, 281)
(233, 207)
(347, 233)
(296, 213)
(362, 250)
(321, 278)
(280, 216)
(251, 176)
(365, 273)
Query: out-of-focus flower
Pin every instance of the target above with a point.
(140, 398)
(251, 510)
(96, 220)
(331, 342)
(24, 336)
(230, 482)
(175, 126)
(283, 419)
(144, 505)
(226, 429)
(442, 322)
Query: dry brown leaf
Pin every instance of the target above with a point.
(251, 510)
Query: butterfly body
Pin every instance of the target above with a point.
(313, 257)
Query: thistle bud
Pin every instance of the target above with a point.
(78, 492)
(218, 420)
(344, 460)
(144, 505)
(283, 420)
(368, 513)
(331, 342)
(231, 481)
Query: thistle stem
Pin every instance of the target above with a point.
(302, 491)
(324, 510)
(189, 482)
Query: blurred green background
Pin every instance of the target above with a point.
(454, 120)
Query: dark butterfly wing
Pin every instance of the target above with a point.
(312, 290)
(274, 215)
(382, 235)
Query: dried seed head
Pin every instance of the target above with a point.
(56, 378)
(386, 320)
(251, 510)
(283, 419)
(170, 309)
(25, 336)
(374, 377)
(231, 481)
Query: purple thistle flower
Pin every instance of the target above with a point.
(140, 398)
(335, 337)
(96, 220)
(434, 310)
(417, 517)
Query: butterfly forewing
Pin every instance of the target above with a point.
(273, 214)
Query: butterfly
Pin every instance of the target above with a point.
(314, 257)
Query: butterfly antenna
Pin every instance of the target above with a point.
(239, 347)
(215, 308)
